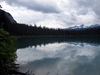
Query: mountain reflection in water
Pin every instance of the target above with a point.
(59, 56)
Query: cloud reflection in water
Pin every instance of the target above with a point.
(68, 58)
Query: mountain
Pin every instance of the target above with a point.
(6, 17)
(82, 27)
(8, 23)
(94, 26)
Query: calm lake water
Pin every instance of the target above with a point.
(59, 56)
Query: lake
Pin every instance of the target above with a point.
(59, 55)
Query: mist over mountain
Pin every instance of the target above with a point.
(82, 27)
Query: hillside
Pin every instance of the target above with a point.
(6, 17)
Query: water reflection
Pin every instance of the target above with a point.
(26, 42)
(63, 57)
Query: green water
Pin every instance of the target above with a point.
(59, 56)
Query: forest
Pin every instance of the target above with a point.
(29, 30)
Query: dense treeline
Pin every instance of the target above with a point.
(23, 29)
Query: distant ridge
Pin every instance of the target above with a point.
(82, 27)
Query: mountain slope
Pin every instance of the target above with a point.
(6, 17)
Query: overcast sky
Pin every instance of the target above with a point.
(54, 13)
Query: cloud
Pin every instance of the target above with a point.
(37, 5)
(93, 5)
(54, 13)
